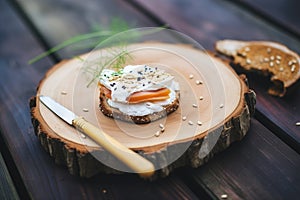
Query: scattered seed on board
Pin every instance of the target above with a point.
(298, 124)
(63, 92)
(191, 123)
(191, 76)
(83, 136)
(224, 196)
(201, 98)
(162, 130)
(184, 118)
(195, 105)
(85, 110)
(199, 123)
(161, 126)
(221, 105)
(198, 82)
(157, 134)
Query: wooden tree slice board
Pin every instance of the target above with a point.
(215, 96)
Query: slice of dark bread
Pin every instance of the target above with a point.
(115, 113)
(269, 58)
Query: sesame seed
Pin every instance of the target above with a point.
(248, 61)
(224, 196)
(247, 49)
(201, 98)
(198, 82)
(183, 118)
(294, 61)
(290, 63)
(297, 123)
(278, 62)
(191, 76)
(104, 191)
(293, 68)
(221, 105)
(85, 110)
(281, 69)
(191, 123)
(161, 126)
(244, 54)
(195, 105)
(272, 58)
(63, 92)
(271, 64)
(199, 123)
(157, 134)
(83, 136)
(266, 59)
(269, 50)
(278, 57)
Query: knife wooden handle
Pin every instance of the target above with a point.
(130, 158)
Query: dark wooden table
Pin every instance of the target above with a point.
(264, 165)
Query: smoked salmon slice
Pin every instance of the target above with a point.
(143, 96)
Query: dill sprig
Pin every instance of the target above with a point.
(116, 59)
(99, 33)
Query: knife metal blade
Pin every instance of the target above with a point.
(130, 158)
(61, 111)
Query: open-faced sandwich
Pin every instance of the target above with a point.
(138, 93)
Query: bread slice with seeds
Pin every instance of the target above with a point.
(115, 113)
(266, 57)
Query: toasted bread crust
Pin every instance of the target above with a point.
(266, 57)
(114, 113)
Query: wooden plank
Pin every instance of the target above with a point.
(261, 166)
(44, 179)
(7, 188)
(208, 21)
(283, 13)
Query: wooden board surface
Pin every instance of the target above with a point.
(69, 77)
(224, 111)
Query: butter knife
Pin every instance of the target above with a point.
(131, 159)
